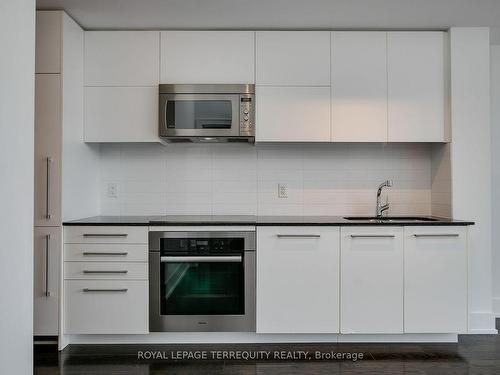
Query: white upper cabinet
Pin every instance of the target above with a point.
(416, 86)
(293, 58)
(292, 114)
(298, 279)
(122, 58)
(48, 42)
(207, 57)
(121, 114)
(359, 86)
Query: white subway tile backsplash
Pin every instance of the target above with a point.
(321, 179)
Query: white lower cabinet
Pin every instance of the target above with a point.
(47, 257)
(298, 279)
(106, 288)
(371, 280)
(435, 269)
(106, 306)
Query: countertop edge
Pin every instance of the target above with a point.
(270, 224)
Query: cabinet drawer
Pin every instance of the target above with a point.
(106, 307)
(103, 235)
(105, 270)
(106, 252)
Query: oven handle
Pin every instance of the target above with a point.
(202, 259)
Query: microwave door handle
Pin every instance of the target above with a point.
(202, 259)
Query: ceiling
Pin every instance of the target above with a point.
(280, 14)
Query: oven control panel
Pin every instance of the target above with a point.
(201, 246)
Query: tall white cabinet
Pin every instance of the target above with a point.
(64, 167)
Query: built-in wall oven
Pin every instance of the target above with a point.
(202, 281)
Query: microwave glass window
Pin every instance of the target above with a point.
(204, 288)
(199, 114)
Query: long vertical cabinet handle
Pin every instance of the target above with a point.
(48, 214)
(47, 263)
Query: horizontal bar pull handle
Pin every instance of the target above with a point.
(372, 236)
(202, 259)
(97, 235)
(90, 272)
(298, 235)
(424, 235)
(109, 254)
(91, 290)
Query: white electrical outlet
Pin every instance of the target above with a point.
(282, 191)
(112, 191)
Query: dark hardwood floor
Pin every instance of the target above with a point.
(473, 354)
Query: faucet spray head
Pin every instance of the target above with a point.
(389, 183)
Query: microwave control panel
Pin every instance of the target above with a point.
(247, 115)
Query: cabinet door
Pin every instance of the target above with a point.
(48, 132)
(435, 269)
(293, 58)
(371, 280)
(48, 41)
(359, 87)
(122, 58)
(47, 253)
(207, 57)
(292, 114)
(106, 307)
(297, 279)
(416, 86)
(121, 114)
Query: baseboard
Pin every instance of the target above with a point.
(482, 323)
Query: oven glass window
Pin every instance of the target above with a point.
(199, 114)
(202, 288)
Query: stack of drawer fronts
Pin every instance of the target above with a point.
(105, 280)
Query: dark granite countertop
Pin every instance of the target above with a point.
(260, 220)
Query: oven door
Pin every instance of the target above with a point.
(199, 115)
(202, 293)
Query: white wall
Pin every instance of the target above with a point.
(17, 69)
(471, 162)
(495, 166)
(80, 161)
(322, 179)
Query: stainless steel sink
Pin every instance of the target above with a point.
(391, 218)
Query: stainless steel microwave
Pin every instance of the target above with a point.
(207, 113)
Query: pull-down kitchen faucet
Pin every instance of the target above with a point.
(382, 207)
